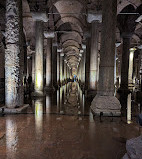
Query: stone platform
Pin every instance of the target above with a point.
(19, 110)
(108, 105)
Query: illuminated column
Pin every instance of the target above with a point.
(58, 68)
(39, 58)
(33, 67)
(61, 68)
(94, 56)
(65, 71)
(105, 101)
(13, 55)
(48, 63)
(130, 73)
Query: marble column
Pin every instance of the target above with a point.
(29, 66)
(13, 55)
(49, 64)
(94, 57)
(65, 71)
(83, 70)
(2, 52)
(39, 59)
(33, 67)
(130, 71)
(125, 61)
(123, 90)
(54, 67)
(58, 68)
(105, 101)
(140, 70)
(61, 69)
(87, 67)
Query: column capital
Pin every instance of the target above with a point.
(40, 16)
(92, 16)
(140, 47)
(117, 44)
(49, 34)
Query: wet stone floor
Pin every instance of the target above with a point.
(61, 126)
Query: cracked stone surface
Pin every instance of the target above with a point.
(13, 54)
(106, 104)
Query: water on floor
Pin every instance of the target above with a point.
(61, 126)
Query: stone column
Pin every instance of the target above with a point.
(58, 68)
(125, 61)
(54, 66)
(33, 67)
(61, 69)
(2, 52)
(83, 70)
(94, 57)
(49, 64)
(140, 70)
(29, 66)
(105, 101)
(13, 55)
(130, 71)
(123, 90)
(87, 67)
(65, 72)
(39, 59)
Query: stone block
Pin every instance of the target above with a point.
(19, 110)
(108, 105)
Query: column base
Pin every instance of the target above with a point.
(38, 94)
(107, 105)
(19, 110)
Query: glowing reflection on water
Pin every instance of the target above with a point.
(11, 139)
(48, 104)
(129, 118)
(39, 117)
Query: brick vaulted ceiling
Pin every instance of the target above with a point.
(68, 18)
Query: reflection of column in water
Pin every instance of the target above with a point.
(64, 94)
(48, 104)
(39, 117)
(61, 98)
(11, 139)
(129, 109)
(83, 104)
(58, 101)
